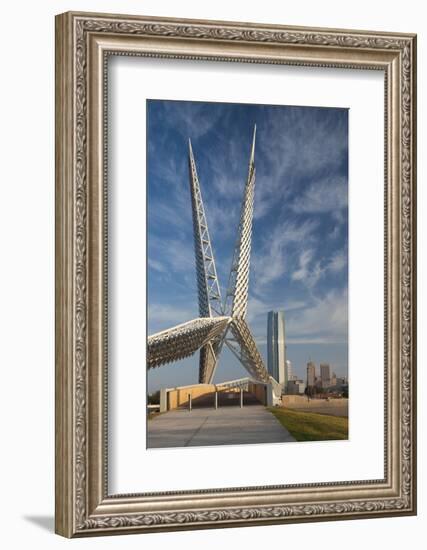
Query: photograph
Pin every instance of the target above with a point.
(247, 273)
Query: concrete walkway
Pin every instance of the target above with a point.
(224, 426)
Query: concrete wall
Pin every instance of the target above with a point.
(259, 391)
(179, 396)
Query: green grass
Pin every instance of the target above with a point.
(306, 426)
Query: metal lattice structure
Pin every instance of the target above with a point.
(183, 340)
(220, 322)
(245, 349)
(209, 292)
(238, 283)
(207, 280)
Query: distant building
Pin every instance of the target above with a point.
(334, 379)
(289, 369)
(325, 374)
(311, 373)
(295, 387)
(276, 347)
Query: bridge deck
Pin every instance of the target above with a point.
(207, 426)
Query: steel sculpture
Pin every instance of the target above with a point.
(221, 321)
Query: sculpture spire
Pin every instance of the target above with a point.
(207, 280)
(238, 282)
(252, 157)
(210, 303)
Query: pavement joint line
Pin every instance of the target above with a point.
(187, 443)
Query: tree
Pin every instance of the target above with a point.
(154, 398)
(310, 391)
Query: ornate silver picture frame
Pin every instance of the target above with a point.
(84, 43)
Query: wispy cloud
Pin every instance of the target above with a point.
(297, 144)
(311, 269)
(174, 255)
(272, 262)
(304, 261)
(191, 118)
(321, 320)
(325, 321)
(326, 195)
(157, 266)
(308, 271)
(222, 218)
(338, 261)
(163, 316)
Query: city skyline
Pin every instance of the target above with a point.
(308, 282)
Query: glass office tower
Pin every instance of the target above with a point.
(276, 347)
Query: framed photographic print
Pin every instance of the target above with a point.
(235, 274)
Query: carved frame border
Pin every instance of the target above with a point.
(83, 43)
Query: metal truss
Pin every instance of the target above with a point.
(217, 320)
(207, 280)
(209, 355)
(209, 293)
(183, 340)
(245, 349)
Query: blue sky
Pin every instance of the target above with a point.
(300, 230)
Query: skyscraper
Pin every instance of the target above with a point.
(311, 373)
(289, 372)
(325, 374)
(277, 347)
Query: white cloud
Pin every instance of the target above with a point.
(338, 261)
(157, 266)
(309, 270)
(222, 218)
(167, 216)
(176, 255)
(259, 307)
(191, 119)
(161, 317)
(299, 144)
(304, 261)
(271, 263)
(322, 320)
(323, 196)
(326, 321)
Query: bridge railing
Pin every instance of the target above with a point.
(173, 398)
